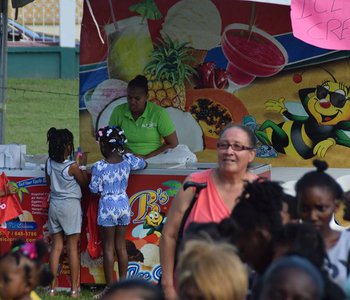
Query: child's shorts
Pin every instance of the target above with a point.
(66, 216)
(113, 212)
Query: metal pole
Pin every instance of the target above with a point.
(3, 67)
(67, 23)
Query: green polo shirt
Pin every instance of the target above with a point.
(145, 134)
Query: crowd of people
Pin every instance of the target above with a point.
(241, 237)
(298, 257)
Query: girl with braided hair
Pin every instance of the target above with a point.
(110, 179)
(256, 220)
(65, 178)
(257, 217)
(22, 269)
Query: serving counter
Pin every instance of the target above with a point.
(151, 192)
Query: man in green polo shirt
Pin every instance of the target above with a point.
(147, 126)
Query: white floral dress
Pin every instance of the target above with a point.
(111, 181)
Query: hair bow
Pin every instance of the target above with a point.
(109, 131)
(27, 249)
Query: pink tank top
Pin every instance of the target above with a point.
(209, 207)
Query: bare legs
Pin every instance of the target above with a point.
(120, 247)
(108, 252)
(57, 247)
(73, 258)
(113, 242)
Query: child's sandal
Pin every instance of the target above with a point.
(75, 294)
(51, 292)
(101, 294)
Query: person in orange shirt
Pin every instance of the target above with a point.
(236, 149)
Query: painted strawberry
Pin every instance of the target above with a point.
(209, 76)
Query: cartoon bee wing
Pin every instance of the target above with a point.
(295, 111)
(342, 136)
(304, 97)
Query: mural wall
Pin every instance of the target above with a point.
(215, 62)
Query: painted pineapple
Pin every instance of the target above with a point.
(167, 72)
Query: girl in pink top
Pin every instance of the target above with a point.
(236, 149)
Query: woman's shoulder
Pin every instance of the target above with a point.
(121, 107)
(201, 176)
(154, 108)
(152, 105)
(120, 110)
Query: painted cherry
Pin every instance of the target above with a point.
(297, 78)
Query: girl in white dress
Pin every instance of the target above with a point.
(110, 179)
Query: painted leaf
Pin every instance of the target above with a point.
(20, 195)
(172, 192)
(14, 184)
(172, 184)
(24, 190)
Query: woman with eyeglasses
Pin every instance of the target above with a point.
(236, 149)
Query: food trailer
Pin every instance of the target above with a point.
(236, 61)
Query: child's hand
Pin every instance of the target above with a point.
(82, 159)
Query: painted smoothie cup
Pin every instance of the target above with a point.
(250, 55)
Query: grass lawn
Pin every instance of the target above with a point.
(86, 293)
(35, 105)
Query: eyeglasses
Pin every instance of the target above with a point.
(235, 147)
(336, 98)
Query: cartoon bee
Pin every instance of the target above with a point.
(327, 117)
(154, 221)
